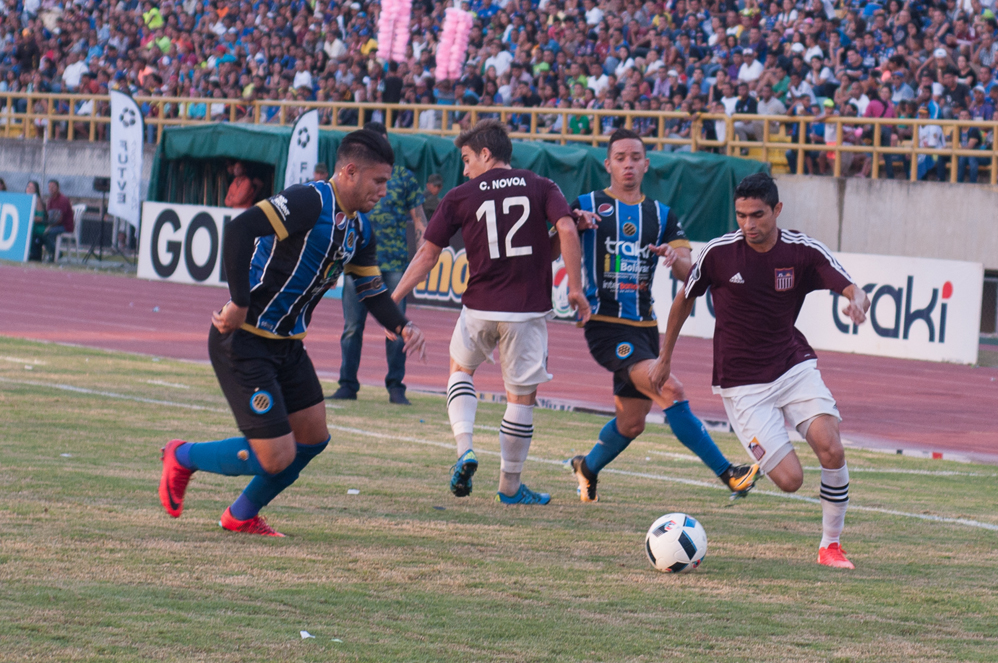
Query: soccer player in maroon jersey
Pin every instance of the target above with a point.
(764, 369)
(503, 214)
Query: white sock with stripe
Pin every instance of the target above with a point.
(462, 403)
(834, 495)
(515, 434)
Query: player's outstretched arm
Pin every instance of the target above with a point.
(859, 303)
(425, 259)
(661, 369)
(571, 250)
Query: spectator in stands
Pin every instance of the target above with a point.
(968, 138)
(241, 191)
(59, 216)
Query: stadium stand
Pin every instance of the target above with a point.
(811, 63)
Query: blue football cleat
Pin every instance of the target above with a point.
(463, 470)
(524, 496)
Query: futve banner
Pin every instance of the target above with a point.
(126, 158)
(303, 152)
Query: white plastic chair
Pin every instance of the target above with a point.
(72, 240)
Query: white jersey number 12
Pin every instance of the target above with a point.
(488, 210)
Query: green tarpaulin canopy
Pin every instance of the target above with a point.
(189, 168)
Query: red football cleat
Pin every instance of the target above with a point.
(255, 525)
(173, 482)
(834, 556)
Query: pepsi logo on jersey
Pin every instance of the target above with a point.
(606, 209)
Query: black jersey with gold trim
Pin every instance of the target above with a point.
(618, 266)
(314, 242)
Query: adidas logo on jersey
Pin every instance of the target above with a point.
(737, 278)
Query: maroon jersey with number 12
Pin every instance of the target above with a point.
(503, 216)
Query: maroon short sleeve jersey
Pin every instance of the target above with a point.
(757, 297)
(503, 216)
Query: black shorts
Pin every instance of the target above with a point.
(263, 379)
(616, 347)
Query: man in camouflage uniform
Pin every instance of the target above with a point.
(404, 201)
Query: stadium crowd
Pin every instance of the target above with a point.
(816, 58)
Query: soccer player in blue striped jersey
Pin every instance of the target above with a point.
(281, 256)
(620, 254)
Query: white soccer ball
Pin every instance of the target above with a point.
(676, 543)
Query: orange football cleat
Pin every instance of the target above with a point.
(834, 556)
(173, 482)
(255, 525)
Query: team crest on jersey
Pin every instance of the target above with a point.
(784, 279)
(606, 209)
(351, 239)
(261, 402)
(756, 449)
(340, 220)
(624, 350)
(629, 229)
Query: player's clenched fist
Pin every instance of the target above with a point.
(230, 318)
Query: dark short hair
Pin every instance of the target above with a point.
(435, 179)
(365, 146)
(489, 134)
(759, 186)
(321, 168)
(377, 127)
(623, 134)
(54, 181)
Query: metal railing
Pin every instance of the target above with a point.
(73, 116)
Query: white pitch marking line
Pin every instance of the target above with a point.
(561, 463)
(18, 360)
(108, 394)
(162, 383)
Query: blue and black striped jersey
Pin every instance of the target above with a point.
(617, 266)
(314, 242)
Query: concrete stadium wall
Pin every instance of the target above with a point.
(75, 164)
(892, 217)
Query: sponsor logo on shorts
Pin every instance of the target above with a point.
(784, 279)
(629, 229)
(261, 402)
(624, 350)
(606, 209)
(756, 449)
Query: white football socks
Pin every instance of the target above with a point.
(515, 433)
(462, 402)
(834, 495)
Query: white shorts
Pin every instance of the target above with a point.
(757, 411)
(523, 349)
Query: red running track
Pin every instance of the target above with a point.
(890, 403)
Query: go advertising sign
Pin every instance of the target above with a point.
(17, 211)
(183, 243)
(921, 309)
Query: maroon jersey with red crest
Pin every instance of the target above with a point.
(503, 216)
(757, 297)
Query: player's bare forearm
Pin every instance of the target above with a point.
(571, 250)
(425, 259)
(418, 223)
(683, 264)
(678, 313)
(859, 303)
(555, 247)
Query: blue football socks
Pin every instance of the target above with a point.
(694, 436)
(265, 487)
(610, 444)
(232, 457)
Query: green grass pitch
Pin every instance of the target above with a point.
(92, 569)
